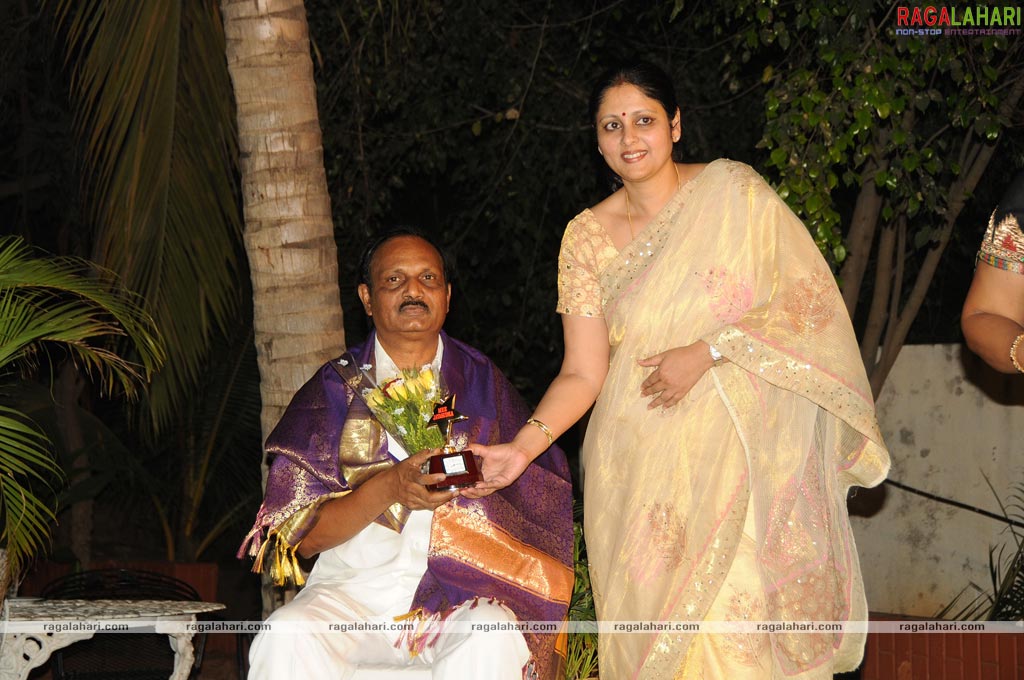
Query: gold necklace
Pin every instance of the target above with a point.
(629, 217)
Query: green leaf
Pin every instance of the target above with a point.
(676, 9)
(921, 238)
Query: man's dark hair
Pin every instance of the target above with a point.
(366, 259)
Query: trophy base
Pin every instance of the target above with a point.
(460, 468)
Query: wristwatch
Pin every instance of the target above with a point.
(716, 356)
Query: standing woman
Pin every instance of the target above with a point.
(732, 415)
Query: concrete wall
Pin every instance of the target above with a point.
(949, 421)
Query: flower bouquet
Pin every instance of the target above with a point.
(416, 410)
(405, 406)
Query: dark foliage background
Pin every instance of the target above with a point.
(467, 119)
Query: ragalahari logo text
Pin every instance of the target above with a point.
(958, 20)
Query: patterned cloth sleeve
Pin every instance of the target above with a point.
(1003, 245)
(579, 288)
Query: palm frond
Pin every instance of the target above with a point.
(1005, 602)
(204, 480)
(26, 518)
(53, 301)
(154, 114)
(227, 420)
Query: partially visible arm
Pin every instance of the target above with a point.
(342, 518)
(570, 394)
(993, 316)
(577, 384)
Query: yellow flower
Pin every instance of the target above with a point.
(415, 388)
(399, 390)
(427, 379)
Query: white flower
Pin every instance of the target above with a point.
(343, 362)
(366, 367)
(400, 410)
(402, 431)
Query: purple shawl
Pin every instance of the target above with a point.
(521, 555)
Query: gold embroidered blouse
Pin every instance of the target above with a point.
(586, 251)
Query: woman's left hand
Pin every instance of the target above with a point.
(501, 465)
(676, 372)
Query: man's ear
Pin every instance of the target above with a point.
(448, 300)
(364, 295)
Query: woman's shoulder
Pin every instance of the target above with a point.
(585, 224)
(725, 175)
(736, 171)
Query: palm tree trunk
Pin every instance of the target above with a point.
(289, 236)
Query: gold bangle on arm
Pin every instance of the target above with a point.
(1013, 353)
(543, 428)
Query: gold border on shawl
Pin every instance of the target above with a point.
(358, 457)
(283, 543)
(295, 528)
(468, 536)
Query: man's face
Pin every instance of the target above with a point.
(409, 296)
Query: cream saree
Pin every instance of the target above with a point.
(731, 505)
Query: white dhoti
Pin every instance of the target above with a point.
(364, 584)
(337, 654)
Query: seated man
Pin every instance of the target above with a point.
(342, 488)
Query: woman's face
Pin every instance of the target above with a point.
(634, 133)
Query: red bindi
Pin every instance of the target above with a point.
(623, 114)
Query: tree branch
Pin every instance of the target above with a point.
(861, 235)
(981, 155)
(878, 313)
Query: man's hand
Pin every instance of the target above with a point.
(408, 485)
(677, 371)
(502, 465)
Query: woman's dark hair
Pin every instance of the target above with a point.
(366, 259)
(643, 75)
(646, 77)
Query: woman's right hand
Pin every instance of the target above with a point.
(502, 465)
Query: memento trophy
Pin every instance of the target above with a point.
(459, 466)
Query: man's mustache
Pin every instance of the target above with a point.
(410, 303)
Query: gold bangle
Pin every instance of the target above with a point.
(543, 428)
(1013, 353)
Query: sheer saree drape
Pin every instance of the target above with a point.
(781, 431)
